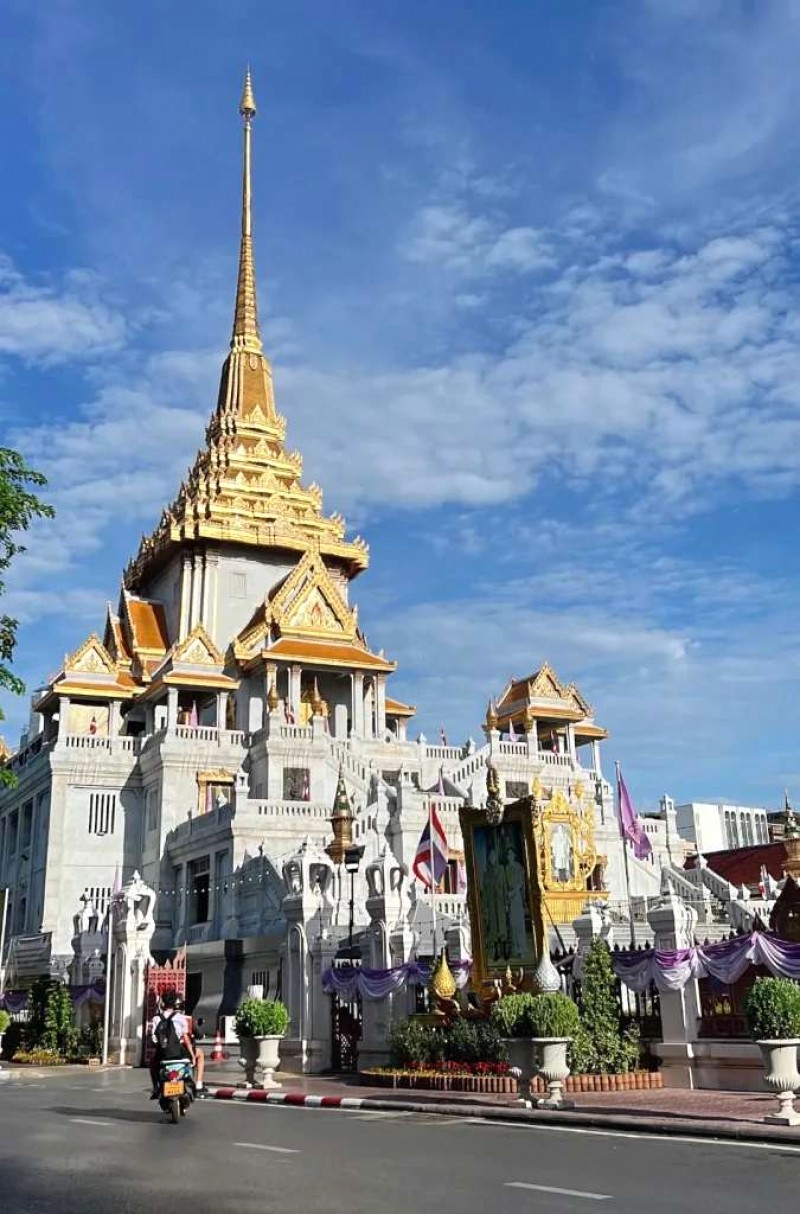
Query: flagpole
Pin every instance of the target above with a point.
(109, 950)
(625, 855)
(433, 876)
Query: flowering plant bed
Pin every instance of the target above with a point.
(494, 1077)
(445, 1077)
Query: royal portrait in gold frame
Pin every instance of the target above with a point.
(503, 890)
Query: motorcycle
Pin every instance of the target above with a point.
(176, 1088)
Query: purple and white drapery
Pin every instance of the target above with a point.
(725, 961)
(347, 981)
(15, 1002)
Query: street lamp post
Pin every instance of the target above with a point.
(352, 860)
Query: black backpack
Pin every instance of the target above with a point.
(168, 1043)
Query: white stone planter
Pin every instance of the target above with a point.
(522, 1060)
(260, 1056)
(780, 1062)
(552, 1066)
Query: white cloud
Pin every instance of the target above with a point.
(56, 321)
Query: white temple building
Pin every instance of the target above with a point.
(230, 701)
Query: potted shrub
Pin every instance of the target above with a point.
(5, 1020)
(260, 1024)
(772, 1009)
(511, 1016)
(554, 1021)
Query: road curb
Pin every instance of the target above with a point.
(583, 1118)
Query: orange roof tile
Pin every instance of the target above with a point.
(328, 655)
(398, 709)
(149, 624)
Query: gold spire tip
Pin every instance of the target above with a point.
(247, 106)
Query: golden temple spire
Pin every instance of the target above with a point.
(245, 321)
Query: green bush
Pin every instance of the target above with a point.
(603, 1045)
(51, 1026)
(512, 1015)
(15, 1038)
(553, 1015)
(261, 1018)
(413, 1042)
(772, 1008)
(5, 1020)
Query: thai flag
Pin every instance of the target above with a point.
(432, 852)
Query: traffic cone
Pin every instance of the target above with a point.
(217, 1054)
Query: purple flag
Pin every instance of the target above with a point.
(629, 824)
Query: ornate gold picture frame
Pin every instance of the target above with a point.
(503, 890)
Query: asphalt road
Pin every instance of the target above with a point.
(92, 1143)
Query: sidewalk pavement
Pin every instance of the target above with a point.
(698, 1114)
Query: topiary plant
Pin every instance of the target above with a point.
(772, 1009)
(261, 1018)
(603, 1046)
(553, 1015)
(511, 1015)
(5, 1020)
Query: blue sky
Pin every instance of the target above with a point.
(528, 276)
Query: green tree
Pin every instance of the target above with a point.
(604, 1046)
(51, 1024)
(19, 506)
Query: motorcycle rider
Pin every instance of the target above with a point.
(199, 1053)
(169, 1011)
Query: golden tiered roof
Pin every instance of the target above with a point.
(244, 487)
(542, 696)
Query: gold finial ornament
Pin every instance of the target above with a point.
(317, 703)
(273, 699)
(247, 106)
(491, 716)
(442, 984)
(341, 821)
(246, 334)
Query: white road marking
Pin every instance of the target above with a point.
(260, 1146)
(106, 1125)
(665, 1138)
(380, 1115)
(546, 1188)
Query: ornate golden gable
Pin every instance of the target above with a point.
(197, 650)
(578, 701)
(545, 685)
(91, 657)
(309, 604)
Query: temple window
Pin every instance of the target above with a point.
(516, 790)
(199, 890)
(102, 813)
(296, 784)
(27, 826)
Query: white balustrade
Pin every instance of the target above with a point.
(302, 732)
(196, 733)
(514, 748)
(551, 759)
(86, 741)
(448, 753)
(287, 809)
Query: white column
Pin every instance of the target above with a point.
(186, 596)
(673, 923)
(222, 712)
(571, 741)
(63, 715)
(196, 576)
(295, 689)
(172, 707)
(596, 758)
(380, 706)
(358, 703)
(532, 738)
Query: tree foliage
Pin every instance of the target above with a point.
(51, 1025)
(19, 506)
(603, 1045)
